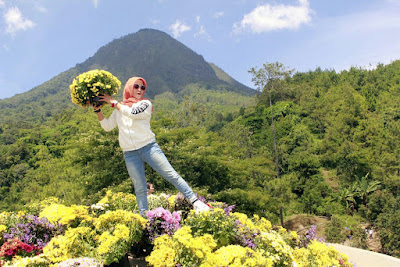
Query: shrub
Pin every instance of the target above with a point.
(111, 219)
(274, 244)
(15, 247)
(214, 222)
(35, 208)
(182, 248)
(112, 246)
(67, 216)
(389, 225)
(34, 231)
(118, 201)
(234, 255)
(343, 227)
(158, 201)
(218, 237)
(36, 261)
(74, 243)
(108, 239)
(318, 254)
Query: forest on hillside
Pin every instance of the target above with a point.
(336, 135)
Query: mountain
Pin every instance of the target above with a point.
(167, 65)
(222, 75)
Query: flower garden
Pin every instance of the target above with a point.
(52, 234)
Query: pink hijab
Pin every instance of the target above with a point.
(128, 91)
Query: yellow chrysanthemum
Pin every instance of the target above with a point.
(92, 83)
(163, 254)
(171, 200)
(234, 255)
(73, 243)
(59, 213)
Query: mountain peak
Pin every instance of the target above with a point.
(166, 64)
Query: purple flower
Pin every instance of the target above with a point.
(229, 209)
(311, 234)
(34, 231)
(161, 222)
(245, 237)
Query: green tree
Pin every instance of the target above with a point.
(268, 79)
(365, 188)
(388, 223)
(348, 195)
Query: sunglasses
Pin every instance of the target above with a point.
(141, 86)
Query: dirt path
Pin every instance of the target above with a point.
(365, 258)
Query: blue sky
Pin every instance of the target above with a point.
(41, 38)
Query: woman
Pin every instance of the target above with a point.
(138, 142)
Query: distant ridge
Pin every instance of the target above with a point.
(222, 75)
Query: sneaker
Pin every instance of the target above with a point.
(199, 206)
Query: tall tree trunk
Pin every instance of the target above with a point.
(276, 153)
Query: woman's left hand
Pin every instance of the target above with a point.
(105, 98)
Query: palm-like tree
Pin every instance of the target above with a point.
(348, 195)
(365, 187)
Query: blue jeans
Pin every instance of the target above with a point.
(153, 155)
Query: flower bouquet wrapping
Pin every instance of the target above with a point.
(87, 86)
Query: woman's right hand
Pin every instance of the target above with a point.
(95, 107)
(105, 98)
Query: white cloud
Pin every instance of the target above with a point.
(95, 3)
(178, 28)
(274, 17)
(218, 14)
(16, 22)
(40, 8)
(2, 3)
(197, 19)
(202, 33)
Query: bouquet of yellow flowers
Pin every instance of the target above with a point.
(87, 86)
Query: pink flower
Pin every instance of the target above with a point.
(176, 216)
(168, 218)
(159, 212)
(150, 214)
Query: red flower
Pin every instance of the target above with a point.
(9, 252)
(27, 248)
(16, 247)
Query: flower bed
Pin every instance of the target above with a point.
(106, 232)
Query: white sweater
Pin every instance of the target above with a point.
(133, 125)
